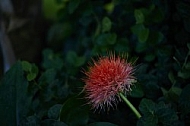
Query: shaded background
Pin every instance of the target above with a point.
(59, 38)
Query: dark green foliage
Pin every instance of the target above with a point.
(155, 31)
(74, 112)
(156, 114)
(14, 97)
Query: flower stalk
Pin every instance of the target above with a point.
(130, 105)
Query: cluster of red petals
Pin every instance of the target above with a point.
(106, 78)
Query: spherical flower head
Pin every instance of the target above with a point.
(106, 78)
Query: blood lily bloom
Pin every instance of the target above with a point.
(107, 80)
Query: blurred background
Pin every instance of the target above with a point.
(61, 36)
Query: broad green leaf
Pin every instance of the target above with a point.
(101, 124)
(174, 93)
(13, 96)
(139, 16)
(147, 107)
(154, 114)
(74, 112)
(166, 115)
(106, 24)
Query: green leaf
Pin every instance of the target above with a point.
(106, 24)
(75, 60)
(147, 107)
(147, 121)
(50, 9)
(143, 35)
(137, 91)
(171, 77)
(173, 94)
(155, 37)
(54, 111)
(166, 115)
(30, 69)
(48, 76)
(154, 114)
(150, 57)
(109, 7)
(139, 16)
(26, 66)
(74, 112)
(185, 74)
(51, 60)
(73, 4)
(13, 96)
(140, 47)
(111, 38)
(58, 32)
(101, 124)
(106, 39)
(141, 32)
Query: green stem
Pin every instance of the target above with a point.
(130, 105)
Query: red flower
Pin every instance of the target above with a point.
(106, 78)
